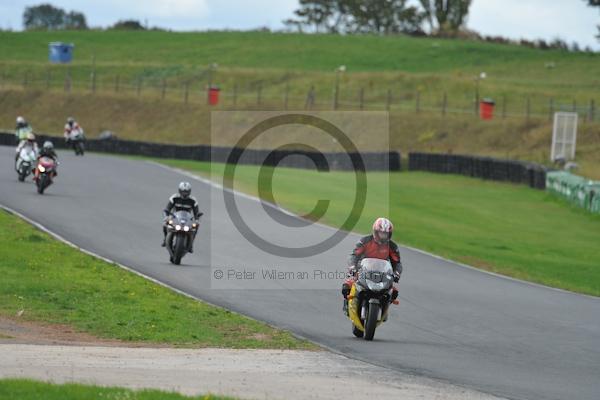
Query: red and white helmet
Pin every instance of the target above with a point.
(382, 230)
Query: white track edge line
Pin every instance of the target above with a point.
(149, 278)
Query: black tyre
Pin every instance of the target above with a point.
(21, 177)
(42, 183)
(179, 249)
(371, 322)
(357, 332)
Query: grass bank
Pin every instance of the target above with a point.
(176, 122)
(47, 281)
(25, 389)
(509, 229)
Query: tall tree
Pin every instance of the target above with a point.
(318, 14)
(595, 3)
(446, 16)
(44, 16)
(384, 16)
(75, 20)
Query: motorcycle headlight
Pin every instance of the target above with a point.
(194, 225)
(170, 222)
(374, 286)
(186, 228)
(177, 227)
(41, 168)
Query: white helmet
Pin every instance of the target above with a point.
(185, 189)
(48, 145)
(20, 120)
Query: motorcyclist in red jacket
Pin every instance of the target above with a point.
(377, 245)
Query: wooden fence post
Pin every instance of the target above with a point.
(68, 80)
(503, 106)
(94, 81)
(444, 104)
(361, 98)
(286, 95)
(551, 110)
(139, 86)
(592, 110)
(186, 92)
(25, 79)
(388, 100)
(117, 82)
(235, 90)
(418, 102)
(48, 78)
(528, 109)
(259, 94)
(163, 89)
(310, 99)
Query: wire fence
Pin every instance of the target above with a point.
(254, 95)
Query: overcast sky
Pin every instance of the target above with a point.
(570, 20)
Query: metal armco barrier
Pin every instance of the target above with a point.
(531, 174)
(373, 161)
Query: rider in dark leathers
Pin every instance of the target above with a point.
(181, 201)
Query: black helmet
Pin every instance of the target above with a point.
(185, 189)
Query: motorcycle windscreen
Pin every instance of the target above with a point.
(183, 216)
(376, 271)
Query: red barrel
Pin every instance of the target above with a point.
(486, 109)
(213, 96)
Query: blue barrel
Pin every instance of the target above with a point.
(61, 52)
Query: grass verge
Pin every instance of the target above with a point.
(508, 229)
(26, 389)
(54, 283)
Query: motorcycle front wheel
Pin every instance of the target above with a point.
(178, 249)
(371, 322)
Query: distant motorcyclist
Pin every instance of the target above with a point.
(29, 141)
(377, 245)
(22, 128)
(72, 128)
(182, 201)
(48, 151)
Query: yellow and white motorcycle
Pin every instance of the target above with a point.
(370, 297)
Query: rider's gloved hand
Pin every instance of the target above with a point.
(351, 271)
(396, 276)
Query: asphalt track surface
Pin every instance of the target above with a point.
(456, 324)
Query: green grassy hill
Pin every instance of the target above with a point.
(131, 70)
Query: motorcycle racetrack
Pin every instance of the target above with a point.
(456, 324)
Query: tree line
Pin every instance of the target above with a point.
(49, 17)
(444, 17)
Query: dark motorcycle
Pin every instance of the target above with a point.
(181, 229)
(44, 173)
(370, 297)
